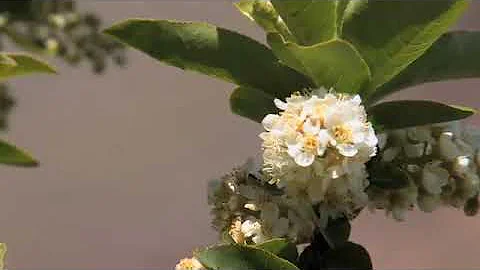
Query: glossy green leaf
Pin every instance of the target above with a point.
(392, 34)
(211, 50)
(11, 155)
(239, 257)
(310, 21)
(409, 113)
(330, 64)
(22, 64)
(451, 57)
(3, 252)
(264, 14)
(251, 103)
(280, 247)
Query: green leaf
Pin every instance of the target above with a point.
(11, 155)
(264, 14)
(211, 50)
(409, 113)
(22, 64)
(342, 6)
(238, 257)
(450, 57)
(6, 62)
(281, 248)
(310, 21)
(392, 34)
(251, 103)
(330, 64)
(3, 252)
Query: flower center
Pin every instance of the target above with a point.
(342, 134)
(310, 144)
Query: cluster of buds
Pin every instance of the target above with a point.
(436, 165)
(56, 28)
(249, 210)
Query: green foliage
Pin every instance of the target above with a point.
(213, 51)
(251, 103)
(264, 14)
(281, 248)
(391, 34)
(453, 56)
(351, 46)
(12, 65)
(22, 64)
(311, 21)
(370, 48)
(11, 155)
(331, 64)
(409, 113)
(239, 257)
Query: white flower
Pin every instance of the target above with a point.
(310, 126)
(189, 264)
(317, 146)
(251, 228)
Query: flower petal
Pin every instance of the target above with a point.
(269, 121)
(304, 159)
(280, 104)
(347, 150)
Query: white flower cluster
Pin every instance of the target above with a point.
(441, 164)
(252, 211)
(318, 145)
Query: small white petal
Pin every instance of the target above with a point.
(269, 121)
(310, 128)
(324, 137)
(356, 100)
(347, 150)
(280, 104)
(294, 149)
(358, 137)
(304, 159)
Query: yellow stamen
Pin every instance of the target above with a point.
(310, 144)
(342, 134)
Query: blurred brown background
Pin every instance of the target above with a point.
(125, 159)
